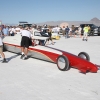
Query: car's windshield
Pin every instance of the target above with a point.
(25, 25)
(37, 33)
(91, 25)
(94, 26)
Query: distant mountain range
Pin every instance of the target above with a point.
(95, 21)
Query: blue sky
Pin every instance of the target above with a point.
(36, 11)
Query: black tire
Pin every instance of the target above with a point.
(84, 55)
(63, 63)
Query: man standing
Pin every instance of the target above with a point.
(63, 30)
(18, 30)
(85, 35)
(50, 37)
(73, 30)
(25, 42)
(67, 31)
(89, 30)
(1, 47)
(5, 31)
(79, 31)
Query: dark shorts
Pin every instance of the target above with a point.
(73, 32)
(50, 38)
(25, 42)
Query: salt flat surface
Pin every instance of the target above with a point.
(34, 79)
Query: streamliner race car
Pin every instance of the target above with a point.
(63, 59)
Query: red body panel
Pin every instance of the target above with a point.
(51, 55)
(81, 64)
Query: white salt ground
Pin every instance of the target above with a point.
(34, 79)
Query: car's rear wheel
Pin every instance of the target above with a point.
(62, 63)
(84, 55)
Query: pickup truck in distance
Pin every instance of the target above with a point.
(93, 29)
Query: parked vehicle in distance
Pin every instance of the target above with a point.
(24, 24)
(76, 29)
(93, 29)
(55, 35)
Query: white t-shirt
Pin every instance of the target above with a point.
(17, 30)
(70, 29)
(26, 33)
(33, 30)
(56, 29)
(79, 29)
(12, 30)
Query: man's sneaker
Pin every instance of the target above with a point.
(22, 56)
(4, 60)
(83, 39)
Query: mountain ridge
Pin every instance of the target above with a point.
(94, 20)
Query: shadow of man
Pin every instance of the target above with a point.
(8, 59)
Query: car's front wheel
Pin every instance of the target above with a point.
(84, 55)
(62, 63)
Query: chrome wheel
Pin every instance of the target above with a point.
(62, 63)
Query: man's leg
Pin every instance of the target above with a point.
(70, 33)
(86, 36)
(22, 52)
(47, 41)
(22, 47)
(26, 53)
(26, 48)
(80, 34)
(83, 36)
(2, 54)
(66, 35)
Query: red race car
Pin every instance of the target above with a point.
(63, 59)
